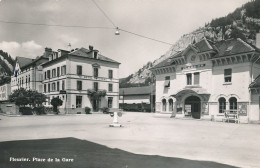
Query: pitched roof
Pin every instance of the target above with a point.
(222, 48)
(255, 83)
(137, 90)
(83, 52)
(35, 60)
(203, 45)
(232, 46)
(23, 61)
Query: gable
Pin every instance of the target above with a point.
(191, 56)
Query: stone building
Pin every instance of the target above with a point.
(207, 78)
(72, 75)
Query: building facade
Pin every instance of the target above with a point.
(207, 78)
(28, 72)
(5, 91)
(137, 98)
(71, 76)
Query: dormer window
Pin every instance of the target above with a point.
(59, 54)
(95, 55)
(50, 57)
(229, 48)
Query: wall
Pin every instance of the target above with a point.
(9, 109)
(254, 114)
(5, 91)
(130, 99)
(237, 88)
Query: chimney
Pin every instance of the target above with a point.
(257, 40)
(47, 52)
(90, 47)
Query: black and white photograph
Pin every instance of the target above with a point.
(129, 84)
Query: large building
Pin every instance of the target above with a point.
(28, 72)
(207, 78)
(73, 75)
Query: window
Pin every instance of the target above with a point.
(189, 79)
(58, 71)
(48, 74)
(45, 88)
(53, 73)
(63, 70)
(222, 104)
(163, 105)
(58, 86)
(79, 70)
(167, 81)
(110, 87)
(29, 79)
(63, 85)
(53, 87)
(110, 74)
(196, 78)
(45, 75)
(170, 105)
(232, 104)
(95, 86)
(49, 87)
(227, 75)
(79, 85)
(95, 54)
(95, 72)
(110, 102)
(78, 101)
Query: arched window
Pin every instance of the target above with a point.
(222, 104)
(170, 105)
(163, 105)
(232, 104)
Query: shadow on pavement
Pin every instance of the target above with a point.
(85, 154)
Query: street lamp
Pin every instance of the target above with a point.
(117, 31)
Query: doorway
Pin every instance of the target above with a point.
(193, 106)
(95, 104)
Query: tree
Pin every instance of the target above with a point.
(55, 102)
(23, 97)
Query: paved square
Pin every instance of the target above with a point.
(143, 133)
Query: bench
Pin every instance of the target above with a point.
(231, 115)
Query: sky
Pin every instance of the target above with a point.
(164, 20)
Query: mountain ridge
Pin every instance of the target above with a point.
(242, 23)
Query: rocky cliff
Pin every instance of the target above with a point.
(243, 23)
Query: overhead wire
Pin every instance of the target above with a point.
(104, 13)
(55, 25)
(86, 27)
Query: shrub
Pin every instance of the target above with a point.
(105, 109)
(26, 111)
(87, 110)
(55, 102)
(39, 110)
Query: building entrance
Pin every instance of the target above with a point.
(192, 106)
